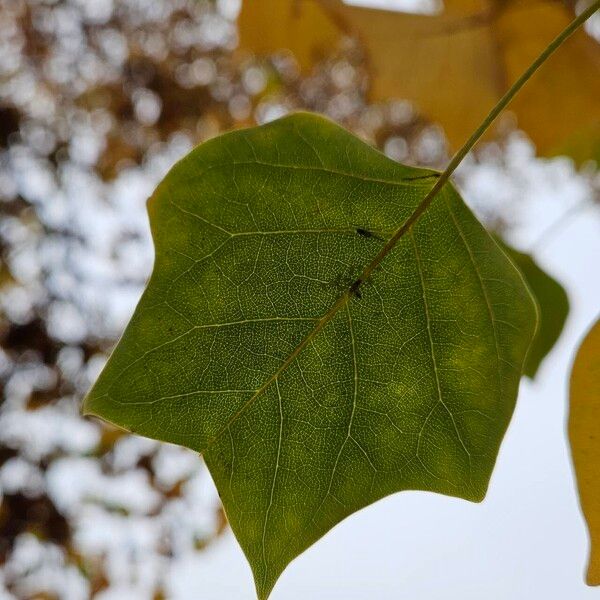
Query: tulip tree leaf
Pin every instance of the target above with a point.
(309, 397)
(584, 435)
(553, 307)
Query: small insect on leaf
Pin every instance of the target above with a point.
(368, 234)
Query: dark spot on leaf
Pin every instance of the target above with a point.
(366, 233)
(355, 288)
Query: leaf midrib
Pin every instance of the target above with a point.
(340, 303)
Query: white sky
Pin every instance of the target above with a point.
(416, 6)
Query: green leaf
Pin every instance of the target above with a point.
(309, 397)
(553, 307)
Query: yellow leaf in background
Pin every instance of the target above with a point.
(453, 66)
(584, 434)
(302, 27)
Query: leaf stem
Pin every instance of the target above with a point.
(467, 147)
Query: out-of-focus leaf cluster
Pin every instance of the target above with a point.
(456, 63)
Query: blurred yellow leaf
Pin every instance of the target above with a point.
(584, 434)
(453, 66)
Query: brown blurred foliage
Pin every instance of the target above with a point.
(454, 65)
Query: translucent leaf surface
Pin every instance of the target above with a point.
(584, 435)
(309, 397)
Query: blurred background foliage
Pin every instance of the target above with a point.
(97, 101)
(455, 61)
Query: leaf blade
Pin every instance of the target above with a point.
(410, 385)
